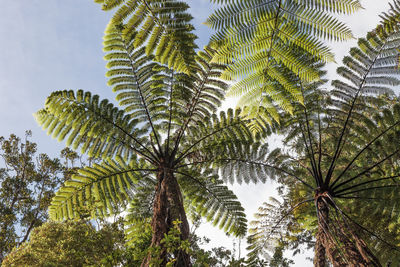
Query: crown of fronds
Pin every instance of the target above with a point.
(261, 40)
(167, 116)
(163, 27)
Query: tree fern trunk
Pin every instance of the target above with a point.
(319, 257)
(338, 242)
(320, 249)
(167, 208)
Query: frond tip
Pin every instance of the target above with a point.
(162, 27)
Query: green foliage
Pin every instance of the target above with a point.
(96, 187)
(370, 68)
(270, 45)
(168, 124)
(167, 128)
(341, 151)
(213, 200)
(27, 184)
(77, 118)
(70, 244)
(138, 238)
(162, 26)
(278, 260)
(272, 232)
(139, 235)
(390, 19)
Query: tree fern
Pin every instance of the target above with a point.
(342, 151)
(167, 122)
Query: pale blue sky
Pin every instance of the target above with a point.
(49, 45)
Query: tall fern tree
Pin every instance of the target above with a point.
(168, 121)
(261, 40)
(342, 168)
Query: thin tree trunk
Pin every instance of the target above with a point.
(167, 208)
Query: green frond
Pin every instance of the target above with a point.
(138, 233)
(250, 163)
(162, 27)
(266, 230)
(97, 127)
(103, 189)
(208, 89)
(265, 41)
(214, 201)
(131, 74)
(260, 115)
(150, 92)
(224, 131)
(390, 19)
(371, 67)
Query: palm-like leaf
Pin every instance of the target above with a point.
(164, 26)
(274, 224)
(213, 200)
(268, 41)
(104, 188)
(99, 128)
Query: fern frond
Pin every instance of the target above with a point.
(97, 127)
(213, 200)
(264, 41)
(163, 28)
(227, 129)
(272, 225)
(371, 68)
(103, 189)
(390, 19)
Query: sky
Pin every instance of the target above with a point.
(49, 45)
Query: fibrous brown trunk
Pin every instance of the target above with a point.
(320, 247)
(167, 208)
(337, 241)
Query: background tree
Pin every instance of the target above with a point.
(72, 243)
(27, 184)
